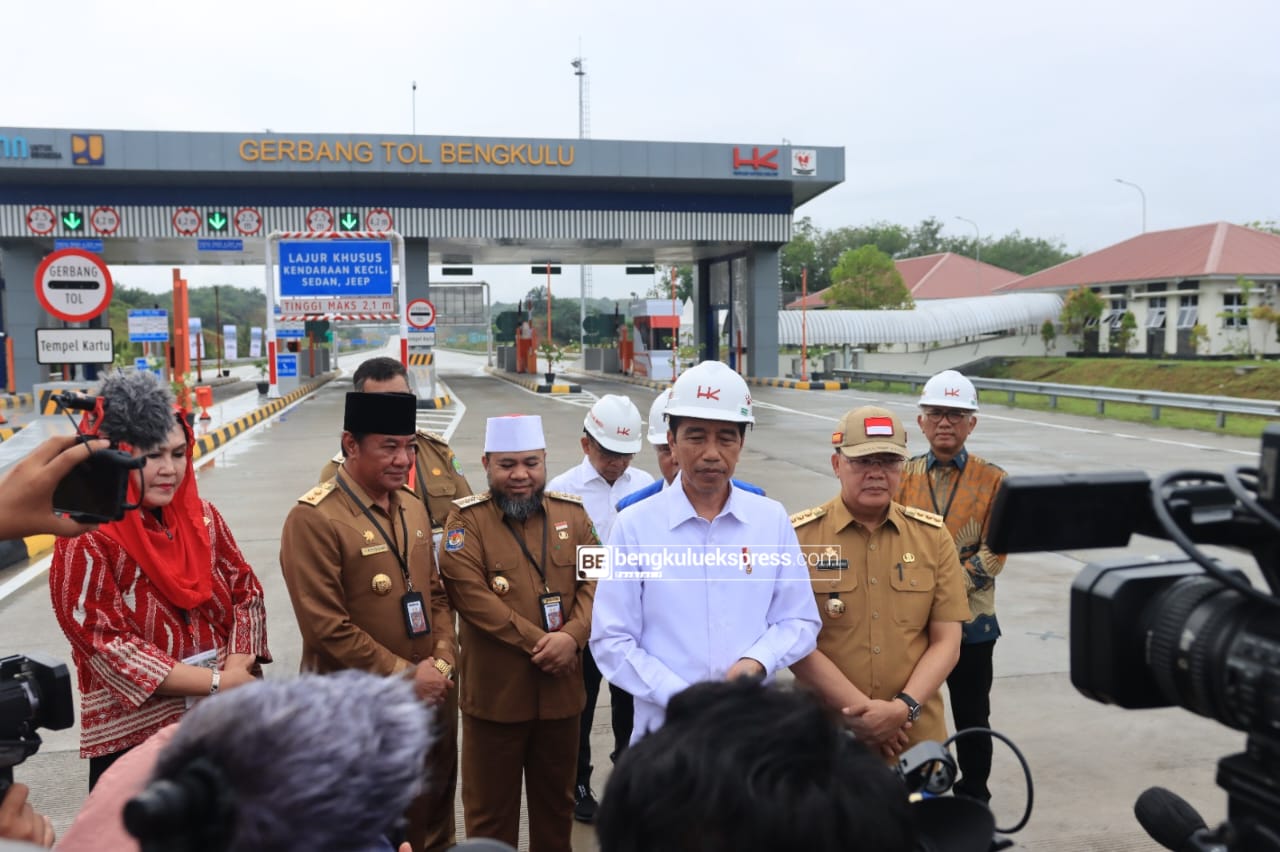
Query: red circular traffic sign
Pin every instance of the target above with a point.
(73, 285)
(420, 313)
(378, 219)
(105, 220)
(248, 221)
(319, 219)
(41, 220)
(186, 221)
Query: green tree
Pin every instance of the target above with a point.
(1081, 309)
(1122, 337)
(661, 289)
(1269, 317)
(1024, 255)
(1048, 335)
(926, 238)
(801, 253)
(1270, 226)
(1198, 337)
(866, 279)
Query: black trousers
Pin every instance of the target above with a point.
(99, 765)
(970, 687)
(623, 716)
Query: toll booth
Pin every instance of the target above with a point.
(526, 348)
(655, 338)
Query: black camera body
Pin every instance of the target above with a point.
(96, 490)
(35, 692)
(1162, 632)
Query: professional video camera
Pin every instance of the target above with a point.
(35, 692)
(95, 490)
(1154, 633)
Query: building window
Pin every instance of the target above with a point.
(1188, 311)
(1155, 312)
(1234, 311)
(1116, 313)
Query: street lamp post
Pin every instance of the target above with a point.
(1144, 200)
(977, 248)
(580, 71)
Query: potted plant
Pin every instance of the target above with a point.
(554, 355)
(264, 386)
(182, 386)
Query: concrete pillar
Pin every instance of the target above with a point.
(417, 259)
(761, 297)
(704, 314)
(22, 311)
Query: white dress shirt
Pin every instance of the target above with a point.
(655, 637)
(599, 498)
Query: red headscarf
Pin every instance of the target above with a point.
(179, 561)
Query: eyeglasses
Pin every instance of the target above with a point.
(937, 415)
(889, 463)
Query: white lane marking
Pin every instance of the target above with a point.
(1190, 445)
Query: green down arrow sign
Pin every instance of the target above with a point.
(217, 220)
(72, 221)
(349, 221)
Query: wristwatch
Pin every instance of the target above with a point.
(213, 684)
(444, 668)
(913, 706)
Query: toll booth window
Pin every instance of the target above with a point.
(662, 338)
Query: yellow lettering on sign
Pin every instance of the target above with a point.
(501, 154)
(560, 156)
(341, 151)
(406, 153)
(422, 155)
(286, 149)
(306, 151)
(323, 152)
(447, 154)
(482, 154)
(248, 150)
(466, 156)
(364, 152)
(267, 149)
(387, 148)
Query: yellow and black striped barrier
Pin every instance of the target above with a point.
(17, 400)
(533, 384)
(206, 444)
(795, 384)
(436, 402)
(46, 404)
(421, 359)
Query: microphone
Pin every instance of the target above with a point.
(1171, 821)
(139, 409)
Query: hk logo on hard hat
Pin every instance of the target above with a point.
(708, 393)
(622, 430)
(951, 392)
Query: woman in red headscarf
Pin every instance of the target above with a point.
(161, 607)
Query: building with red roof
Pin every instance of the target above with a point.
(1175, 280)
(936, 276)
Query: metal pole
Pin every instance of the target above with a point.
(415, 107)
(804, 324)
(581, 74)
(675, 334)
(217, 319)
(1144, 200)
(977, 248)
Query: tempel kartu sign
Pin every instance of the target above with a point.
(338, 268)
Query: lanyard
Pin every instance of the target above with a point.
(955, 486)
(402, 558)
(520, 541)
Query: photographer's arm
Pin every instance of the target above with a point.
(19, 821)
(26, 491)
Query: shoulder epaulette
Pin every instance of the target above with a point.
(315, 495)
(566, 496)
(799, 519)
(433, 436)
(338, 459)
(473, 500)
(924, 517)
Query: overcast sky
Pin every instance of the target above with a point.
(1016, 115)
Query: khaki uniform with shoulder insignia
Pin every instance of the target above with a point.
(877, 592)
(516, 718)
(437, 475)
(346, 586)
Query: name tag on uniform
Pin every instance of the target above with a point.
(552, 612)
(374, 549)
(831, 564)
(415, 615)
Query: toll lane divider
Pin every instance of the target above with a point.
(436, 402)
(218, 438)
(792, 384)
(533, 384)
(17, 400)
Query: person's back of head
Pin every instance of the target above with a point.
(741, 766)
(380, 369)
(318, 762)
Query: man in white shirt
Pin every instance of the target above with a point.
(707, 582)
(610, 440)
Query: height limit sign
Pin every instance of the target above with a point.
(421, 314)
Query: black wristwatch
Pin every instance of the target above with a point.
(913, 706)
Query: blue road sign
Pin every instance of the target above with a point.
(84, 245)
(335, 268)
(141, 364)
(219, 245)
(148, 325)
(287, 365)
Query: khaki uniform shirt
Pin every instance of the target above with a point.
(437, 475)
(900, 577)
(495, 590)
(346, 583)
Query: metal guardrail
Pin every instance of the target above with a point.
(1219, 405)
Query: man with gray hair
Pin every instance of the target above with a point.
(320, 762)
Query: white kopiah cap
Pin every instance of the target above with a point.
(514, 433)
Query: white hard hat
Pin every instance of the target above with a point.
(711, 391)
(950, 389)
(658, 419)
(614, 421)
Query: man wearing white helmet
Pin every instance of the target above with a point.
(610, 440)
(709, 582)
(961, 487)
(657, 436)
